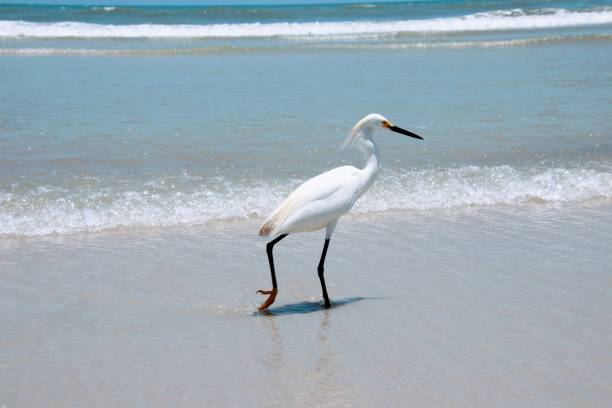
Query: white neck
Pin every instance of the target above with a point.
(370, 152)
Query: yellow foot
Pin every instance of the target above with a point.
(270, 299)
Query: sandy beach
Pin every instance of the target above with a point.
(142, 146)
(516, 314)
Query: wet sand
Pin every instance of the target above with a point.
(488, 307)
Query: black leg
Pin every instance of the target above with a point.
(321, 270)
(274, 290)
(269, 248)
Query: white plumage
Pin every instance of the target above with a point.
(321, 201)
(316, 203)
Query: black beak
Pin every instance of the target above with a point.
(404, 132)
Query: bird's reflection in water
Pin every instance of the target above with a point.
(328, 369)
(317, 374)
(275, 358)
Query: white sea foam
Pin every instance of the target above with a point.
(106, 8)
(416, 45)
(60, 210)
(455, 188)
(100, 52)
(485, 21)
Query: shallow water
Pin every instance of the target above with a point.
(166, 154)
(140, 149)
(482, 308)
(108, 126)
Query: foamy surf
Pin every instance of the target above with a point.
(118, 52)
(202, 51)
(61, 210)
(516, 19)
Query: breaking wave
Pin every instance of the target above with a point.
(420, 45)
(97, 206)
(516, 19)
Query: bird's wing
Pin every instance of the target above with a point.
(321, 187)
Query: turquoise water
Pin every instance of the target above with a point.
(140, 149)
(139, 117)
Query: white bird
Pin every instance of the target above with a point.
(322, 200)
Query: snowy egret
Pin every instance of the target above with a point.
(322, 200)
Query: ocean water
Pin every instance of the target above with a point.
(149, 116)
(118, 117)
(140, 147)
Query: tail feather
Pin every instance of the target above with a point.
(266, 229)
(276, 220)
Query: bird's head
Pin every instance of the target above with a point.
(366, 126)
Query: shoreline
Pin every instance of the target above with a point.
(537, 207)
(442, 309)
